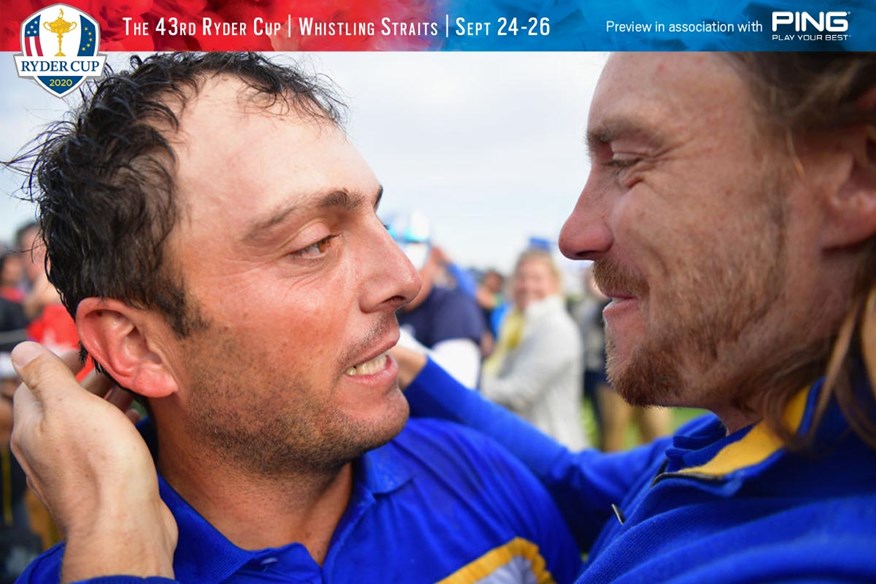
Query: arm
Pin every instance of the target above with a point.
(100, 487)
(583, 485)
(463, 278)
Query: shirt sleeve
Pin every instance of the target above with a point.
(458, 318)
(47, 568)
(464, 281)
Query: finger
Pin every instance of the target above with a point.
(71, 358)
(119, 397)
(97, 383)
(43, 372)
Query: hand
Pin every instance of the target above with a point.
(410, 363)
(90, 467)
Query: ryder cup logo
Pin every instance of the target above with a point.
(59, 46)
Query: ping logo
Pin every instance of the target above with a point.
(805, 21)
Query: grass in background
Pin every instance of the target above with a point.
(679, 417)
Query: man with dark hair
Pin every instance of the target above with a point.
(730, 213)
(215, 236)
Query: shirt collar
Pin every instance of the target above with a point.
(203, 554)
(381, 470)
(756, 444)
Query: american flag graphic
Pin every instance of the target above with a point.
(32, 47)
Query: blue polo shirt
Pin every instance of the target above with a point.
(446, 314)
(702, 505)
(437, 503)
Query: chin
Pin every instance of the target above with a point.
(646, 377)
(386, 424)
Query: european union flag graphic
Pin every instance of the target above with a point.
(88, 40)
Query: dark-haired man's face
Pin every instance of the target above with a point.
(285, 258)
(685, 213)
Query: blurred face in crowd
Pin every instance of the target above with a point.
(12, 270)
(33, 254)
(686, 214)
(295, 282)
(534, 280)
(493, 282)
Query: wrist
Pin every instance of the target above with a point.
(133, 541)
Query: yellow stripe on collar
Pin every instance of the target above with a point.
(759, 444)
(498, 565)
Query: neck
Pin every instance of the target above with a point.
(768, 390)
(254, 511)
(735, 419)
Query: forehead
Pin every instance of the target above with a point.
(535, 265)
(670, 87)
(237, 158)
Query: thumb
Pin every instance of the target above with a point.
(43, 372)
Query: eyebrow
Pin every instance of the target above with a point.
(341, 199)
(605, 132)
(613, 129)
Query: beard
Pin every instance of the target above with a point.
(276, 422)
(704, 312)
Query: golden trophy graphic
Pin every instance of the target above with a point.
(60, 27)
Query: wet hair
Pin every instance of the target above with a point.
(104, 180)
(799, 96)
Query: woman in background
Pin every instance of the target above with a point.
(535, 370)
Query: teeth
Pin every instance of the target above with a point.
(371, 367)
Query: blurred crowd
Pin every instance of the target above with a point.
(30, 308)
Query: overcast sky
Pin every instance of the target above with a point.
(489, 145)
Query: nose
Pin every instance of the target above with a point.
(586, 234)
(392, 281)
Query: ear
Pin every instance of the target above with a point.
(851, 208)
(126, 342)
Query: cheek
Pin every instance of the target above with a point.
(519, 288)
(288, 334)
(303, 329)
(641, 228)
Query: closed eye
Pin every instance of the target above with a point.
(315, 250)
(621, 162)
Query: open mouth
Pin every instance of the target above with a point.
(375, 365)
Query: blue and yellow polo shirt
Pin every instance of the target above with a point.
(439, 503)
